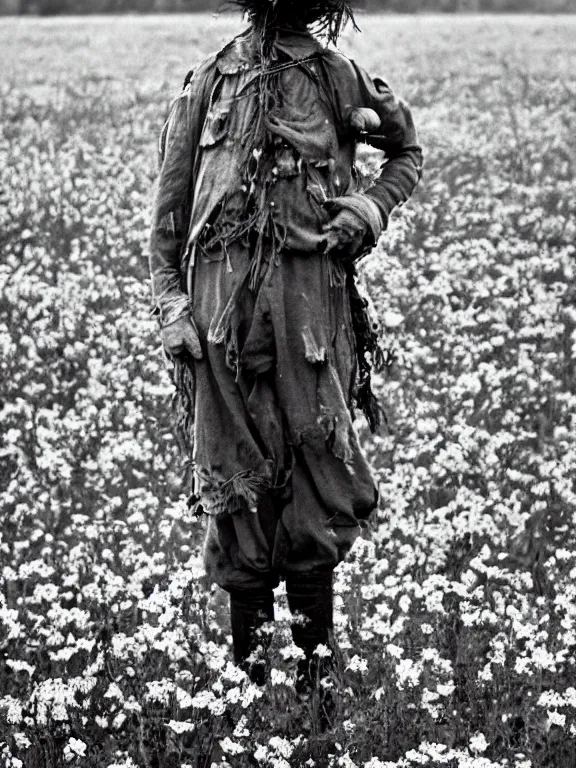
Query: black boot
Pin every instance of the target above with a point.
(249, 609)
(311, 594)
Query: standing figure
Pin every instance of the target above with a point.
(258, 221)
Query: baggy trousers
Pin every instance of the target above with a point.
(272, 402)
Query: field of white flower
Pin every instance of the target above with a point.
(456, 611)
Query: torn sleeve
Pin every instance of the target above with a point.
(397, 137)
(170, 211)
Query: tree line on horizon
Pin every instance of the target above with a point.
(49, 7)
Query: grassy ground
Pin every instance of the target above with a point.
(456, 611)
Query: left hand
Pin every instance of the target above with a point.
(182, 335)
(345, 235)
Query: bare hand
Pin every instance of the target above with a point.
(345, 235)
(180, 335)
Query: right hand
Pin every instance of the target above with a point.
(182, 335)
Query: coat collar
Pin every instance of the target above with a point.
(238, 54)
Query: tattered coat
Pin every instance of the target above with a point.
(254, 163)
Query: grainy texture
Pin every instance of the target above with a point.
(457, 621)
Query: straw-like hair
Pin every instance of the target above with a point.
(323, 16)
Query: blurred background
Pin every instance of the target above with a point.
(48, 7)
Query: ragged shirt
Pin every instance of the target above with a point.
(207, 135)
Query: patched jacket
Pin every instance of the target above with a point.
(328, 104)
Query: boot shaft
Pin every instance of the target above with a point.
(312, 596)
(249, 610)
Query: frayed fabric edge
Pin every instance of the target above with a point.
(331, 432)
(242, 492)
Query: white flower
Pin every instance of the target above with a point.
(345, 761)
(322, 651)
(278, 677)
(179, 726)
(392, 319)
(555, 718)
(203, 699)
(292, 651)
(14, 709)
(251, 693)
(74, 748)
(160, 691)
(233, 695)
(408, 673)
(395, 650)
(183, 698)
(231, 747)
(217, 707)
(358, 664)
(114, 692)
(119, 721)
(478, 743)
(128, 763)
(22, 741)
(21, 666)
(550, 699)
(240, 730)
(281, 746)
(349, 726)
(404, 603)
(261, 753)
(233, 673)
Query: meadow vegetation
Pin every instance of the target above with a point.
(456, 610)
